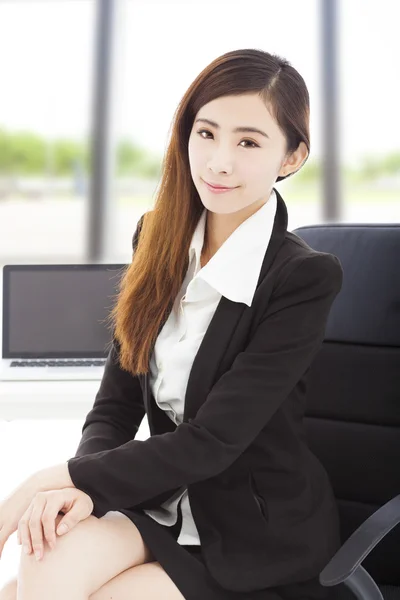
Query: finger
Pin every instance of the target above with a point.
(50, 521)
(35, 525)
(23, 530)
(79, 510)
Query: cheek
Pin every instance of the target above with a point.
(194, 154)
(261, 169)
(253, 171)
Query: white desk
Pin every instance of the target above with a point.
(56, 400)
(46, 400)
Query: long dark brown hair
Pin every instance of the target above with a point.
(152, 281)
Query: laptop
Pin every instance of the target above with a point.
(55, 320)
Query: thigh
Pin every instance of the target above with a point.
(92, 553)
(148, 582)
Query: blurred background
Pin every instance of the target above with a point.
(88, 91)
(50, 116)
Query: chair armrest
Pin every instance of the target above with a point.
(348, 558)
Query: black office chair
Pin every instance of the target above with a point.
(353, 407)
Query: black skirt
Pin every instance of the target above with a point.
(187, 569)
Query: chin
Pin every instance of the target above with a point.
(220, 209)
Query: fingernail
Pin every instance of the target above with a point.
(62, 529)
(26, 549)
(37, 554)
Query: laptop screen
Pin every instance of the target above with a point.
(58, 311)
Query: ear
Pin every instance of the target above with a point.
(294, 161)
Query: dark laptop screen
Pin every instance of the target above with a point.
(58, 311)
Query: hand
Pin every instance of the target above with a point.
(13, 507)
(40, 517)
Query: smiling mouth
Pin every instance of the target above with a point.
(219, 187)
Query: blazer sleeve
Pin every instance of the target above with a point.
(118, 408)
(237, 408)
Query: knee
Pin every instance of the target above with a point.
(67, 549)
(9, 591)
(50, 571)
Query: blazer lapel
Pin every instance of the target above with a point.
(217, 336)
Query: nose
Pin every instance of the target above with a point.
(221, 161)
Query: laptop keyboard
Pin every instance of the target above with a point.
(98, 362)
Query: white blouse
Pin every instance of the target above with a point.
(232, 272)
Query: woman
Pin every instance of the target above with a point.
(218, 319)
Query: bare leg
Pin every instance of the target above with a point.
(149, 582)
(9, 591)
(90, 555)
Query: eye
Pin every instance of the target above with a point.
(248, 141)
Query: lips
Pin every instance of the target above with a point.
(219, 187)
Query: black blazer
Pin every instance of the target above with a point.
(261, 501)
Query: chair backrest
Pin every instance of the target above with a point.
(353, 395)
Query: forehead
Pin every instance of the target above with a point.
(240, 110)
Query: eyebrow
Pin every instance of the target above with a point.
(237, 129)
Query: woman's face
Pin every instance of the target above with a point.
(246, 160)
